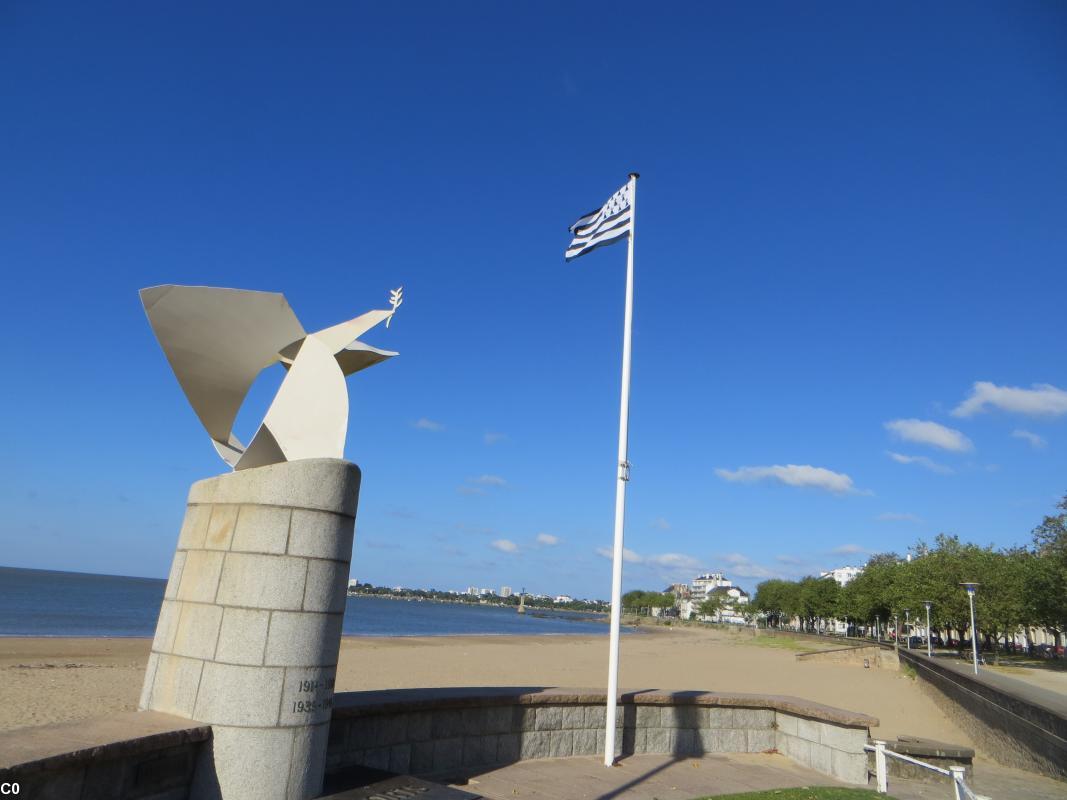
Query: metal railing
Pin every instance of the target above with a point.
(960, 789)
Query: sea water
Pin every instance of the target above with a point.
(45, 603)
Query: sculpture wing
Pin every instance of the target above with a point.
(217, 341)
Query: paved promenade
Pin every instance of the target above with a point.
(656, 777)
(644, 777)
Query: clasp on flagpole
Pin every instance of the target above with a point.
(624, 470)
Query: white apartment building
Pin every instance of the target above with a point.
(505, 591)
(564, 598)
(842, 574)
(703, 584)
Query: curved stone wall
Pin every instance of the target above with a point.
(442, 733)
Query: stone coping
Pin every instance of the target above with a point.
(319, 484)
(354, 704)
(918, 746)
(65, 744)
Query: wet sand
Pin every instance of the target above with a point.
(55, 680)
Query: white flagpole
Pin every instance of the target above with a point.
(620, 490)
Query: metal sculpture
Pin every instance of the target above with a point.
(218, 341)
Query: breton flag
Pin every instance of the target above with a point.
(611, 222)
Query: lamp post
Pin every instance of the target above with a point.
(929, 651)
(971, 589)
(896, 631)
(877, 627)
(907, 628)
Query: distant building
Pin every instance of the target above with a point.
(352, 583)
(680, 590)
(842, 574)
(505, 591)
(702, 584)
(564, 598)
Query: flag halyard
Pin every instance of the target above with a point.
(610, 223)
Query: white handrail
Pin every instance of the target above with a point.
(960, 790)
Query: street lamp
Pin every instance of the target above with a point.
(971, 589)
(929, 652)
(907, 627)
(878, 627)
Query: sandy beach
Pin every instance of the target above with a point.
(54, 680)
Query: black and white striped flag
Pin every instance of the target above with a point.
(610, 223)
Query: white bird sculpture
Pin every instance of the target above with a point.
(218, 340)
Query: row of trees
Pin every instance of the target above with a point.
(640, 601)
(1021, 587)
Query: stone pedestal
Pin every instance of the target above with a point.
(250, 628)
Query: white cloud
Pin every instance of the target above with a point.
(547, 539)
(674, 561)
(792, 475)
(424, 424)
(492, 438)
(931, 433)
(890, 516)
(1035, 441)
(743, 567)
(849, 550)
(470, 490)
(504, 545)
(1041, 400)
(922, 461)
(628, 555)
(660, 524)
(488, 480)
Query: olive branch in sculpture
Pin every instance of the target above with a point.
(396, 297)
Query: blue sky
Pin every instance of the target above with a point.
(847, 218)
